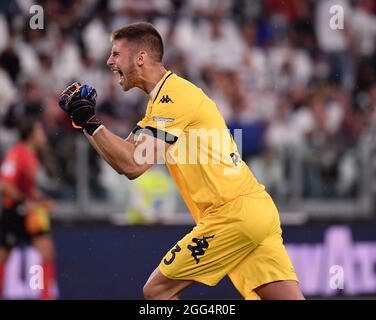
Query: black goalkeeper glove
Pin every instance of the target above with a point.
(79, 103)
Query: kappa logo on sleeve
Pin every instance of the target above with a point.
(165, 99)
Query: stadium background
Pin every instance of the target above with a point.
(303, 94)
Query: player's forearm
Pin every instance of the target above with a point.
(117, 152)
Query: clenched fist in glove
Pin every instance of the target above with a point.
(79, 103)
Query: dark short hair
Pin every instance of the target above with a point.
(144, 34)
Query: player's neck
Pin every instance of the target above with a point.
(151, 77)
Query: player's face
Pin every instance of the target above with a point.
(122, 62)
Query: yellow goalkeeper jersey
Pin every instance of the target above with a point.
(203, 158)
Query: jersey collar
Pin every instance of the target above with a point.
(153, 93)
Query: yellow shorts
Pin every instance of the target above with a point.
(241, 239)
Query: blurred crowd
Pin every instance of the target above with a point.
(275, 69)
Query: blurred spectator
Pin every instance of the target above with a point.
(218, 44)
(364, 30)
(3, 32)
(255, 61)
(67, 60)
(335, 43)
(10, 62)
(289, 66)
(7, 92)
(363, 22)
(96, 40)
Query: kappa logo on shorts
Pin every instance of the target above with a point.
(200, 247)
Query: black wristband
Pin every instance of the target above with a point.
(91, 125)
(83, 115)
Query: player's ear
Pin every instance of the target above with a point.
(141, 57)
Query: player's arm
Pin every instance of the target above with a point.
(131, 157)
(132, 138)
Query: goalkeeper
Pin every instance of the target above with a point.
(237, 230)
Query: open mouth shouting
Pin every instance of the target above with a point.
(121, 76)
